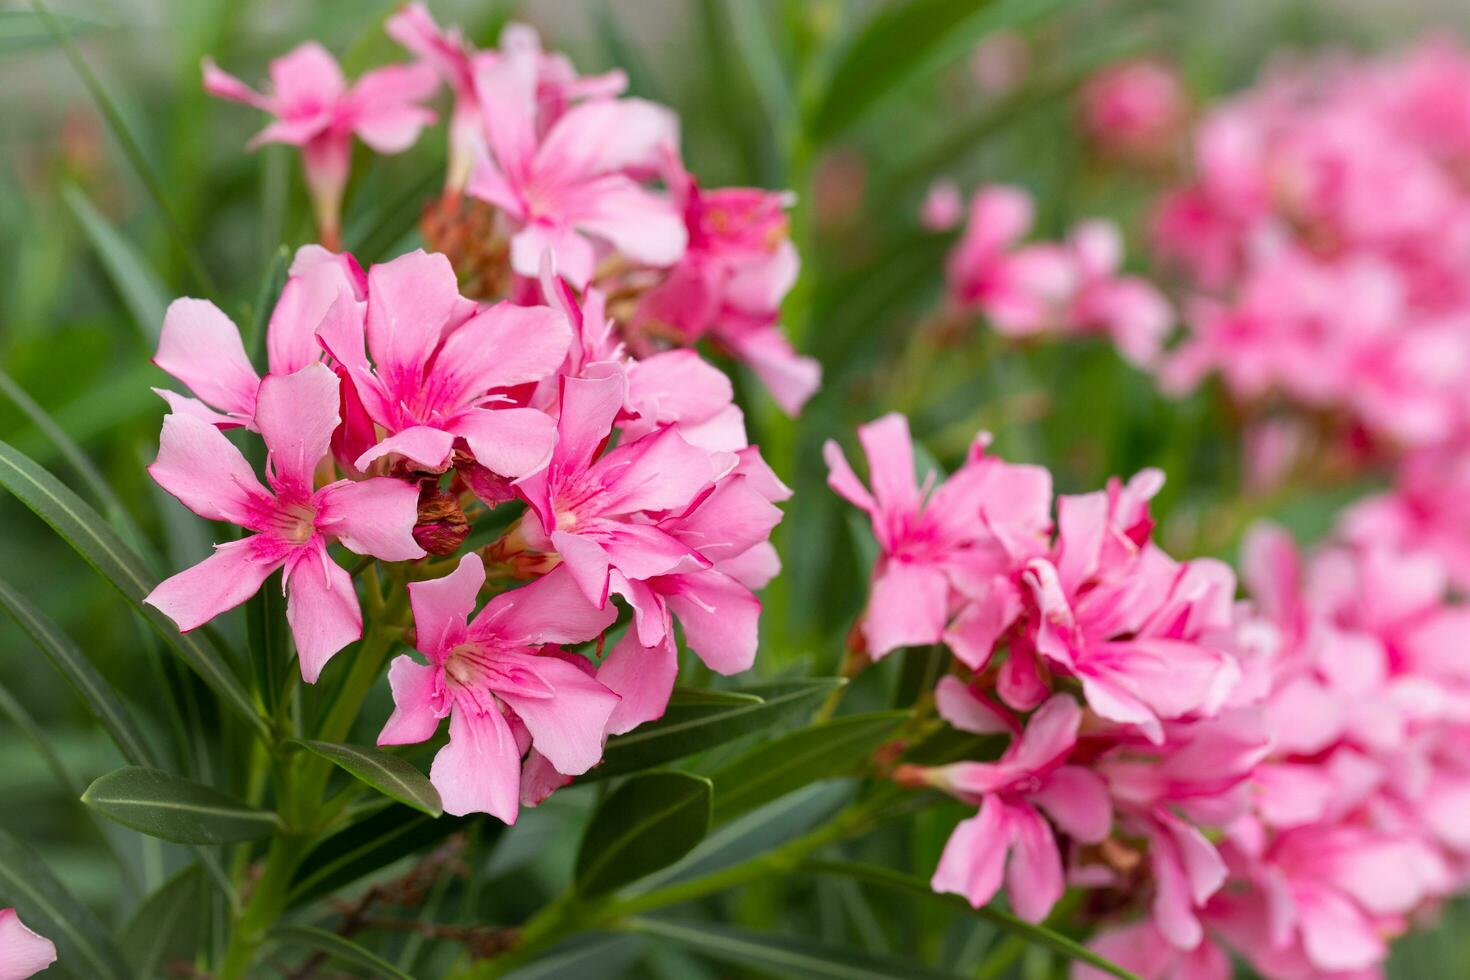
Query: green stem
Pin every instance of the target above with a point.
(265, 906)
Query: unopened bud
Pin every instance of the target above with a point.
(441, 526)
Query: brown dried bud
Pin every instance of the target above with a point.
(441, 526)
(473, 235)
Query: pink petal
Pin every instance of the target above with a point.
(503, 346)
(606, 136)
(317, 278)
(1336, 934)
(843, 481)
(22, 952)
(721, 619)
(790, 377)
(973, 635)
(642, 676)
(1034, 881)
(574, 255)
(423, 445)
(677, 384)
(304, 79)
(890, 452)
(410, 302)
(658, 472)
(198, 465)
(382, 107)
(321, 606)
(372, 517)
(1050, 734)
(908, 607)
(568, 727)
(510, 442)
(506, 90)
(642, 551)
(539, 779)
(296, 415)
(727, 523)
(586, 563)
(552, 609)
(638, 223)
(1076, 799)
(202, 348)
(958, 704)
(588, 408)
(415, 701)
(974, 859)
(219, 583)
(223, 85)
(479, 771)
(194, 408)
(442, 606)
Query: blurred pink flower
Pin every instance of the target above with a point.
(293, 522)
(1134, 109)
(315, 109)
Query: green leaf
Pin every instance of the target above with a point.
(903, 43)
(339, 948)
(162, 805)
(268, 641)
(44, 904)
(169, 924)
(77, 670)
(693, 726)
(783, 956)
(919, 888)
(370, 845)
(81, 527)
(685, 696)
(139, 286)
(783, 765)
(391, 775)
(647, 823)
(11, 708)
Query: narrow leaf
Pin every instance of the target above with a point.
(11, 708)
(389, 774)
(919, 888)
(140, 288)
(82, 528)
(391, 834)
(161, 805)
(783, 765)
(77, 670)
(783, 956)
(875, 65)
(45, 905)
(340, 949)
(168, 926)
(647, 823)
(688, 727)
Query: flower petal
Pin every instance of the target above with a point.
(219, 583)
(198, 465)
(371, 517)
(414, 717)
(202, 348)
(296, 415)
(479, 771)
(643, 676)
(442, 606)
(567, 727)
(22, 952)
(321, 606)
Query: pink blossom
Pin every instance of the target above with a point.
(440, 366)
(504, 685)
(1021, 290)
(315, 109)
(456, 61)
(1128, 309)
(1134, 109)
(201, 347)
(1031, 778)
(22, 953)
(571, 187)
(1141, 949)
(600, 514)
(943, 207)
(730, 282)
(293, 522)
(938, 548)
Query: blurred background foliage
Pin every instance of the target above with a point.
(88, 261)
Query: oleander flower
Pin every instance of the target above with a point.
(293, 521)
(505, 685)
(316, 109)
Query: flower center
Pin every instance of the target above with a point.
(295, 522)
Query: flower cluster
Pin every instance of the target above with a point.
(1323, 236)
(396, 413)
(1274, 776)
(554, 164)
(1069, 288)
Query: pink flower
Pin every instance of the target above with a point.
(1142, 949)
(1022, 291)
(293, 522)
(943, 207)
(1031, 778)
(1134, 109)
(600, 514)
(938, 549)
(504, 689)
(730, 282)
(315, 109)
(456, 60)
(1129, 309)
(439, 367)
(22, 953)
(570, 187)
(202, 348)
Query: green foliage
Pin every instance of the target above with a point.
(160, 805)
(647, 823)
(391, 775)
